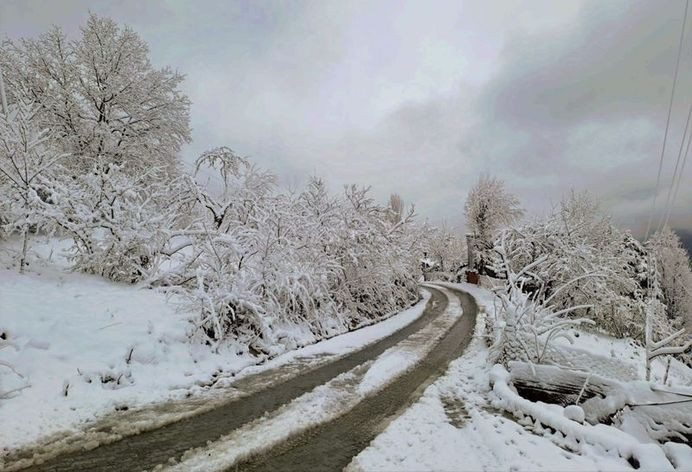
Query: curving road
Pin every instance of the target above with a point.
(332, 445)
(336, 441)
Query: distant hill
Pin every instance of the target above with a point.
(686, 238)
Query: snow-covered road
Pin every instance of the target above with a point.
(333, 444)
(385, 366)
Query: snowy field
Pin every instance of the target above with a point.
(84, 348)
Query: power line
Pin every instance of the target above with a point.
(677, 186)
(670, 108)
(666, 213)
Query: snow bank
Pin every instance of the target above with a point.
(611, 440)
(86, 345)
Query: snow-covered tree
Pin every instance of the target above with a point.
(444, 247)
(489, 207)
(120, 224)
(673, 264)
(27, 166)
(100, 96)
(396, 207)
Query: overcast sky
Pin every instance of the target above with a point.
(422, 97)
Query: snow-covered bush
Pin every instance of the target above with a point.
(27, 173)
(575, 240)
(231, 195)
(119, 223)
(256, 260)
(526, 324)
(378, 273)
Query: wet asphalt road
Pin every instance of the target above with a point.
(332, 445)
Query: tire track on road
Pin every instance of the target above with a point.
(332, 445)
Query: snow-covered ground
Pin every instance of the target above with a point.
(454, 426)
(84, 348)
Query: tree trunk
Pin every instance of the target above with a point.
(25, 244)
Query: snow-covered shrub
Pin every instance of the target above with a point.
(378, 273)
(27, 173)
(222, 256)
(254, 259)
(119, 224)
(576, 240)
(525, 324)
(224, 241)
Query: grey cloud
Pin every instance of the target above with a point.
(593, 101)
(421, 98)
(614, 60)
